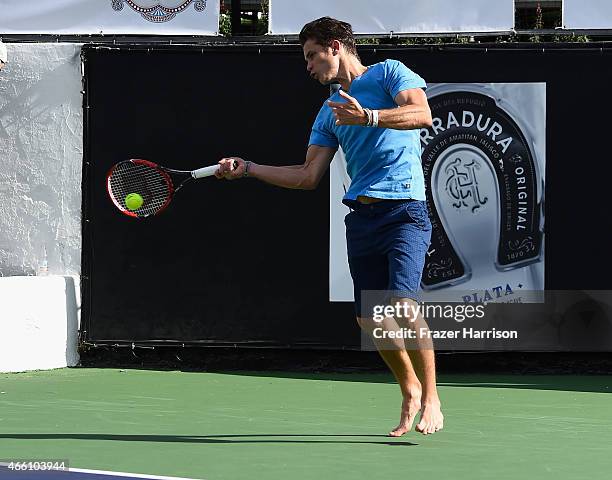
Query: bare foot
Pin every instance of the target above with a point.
(410, 407)
(432, 419)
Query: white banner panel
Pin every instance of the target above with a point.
(38, 323)
(587, 14)
(397, 16)
(41, 155)
(121, 17)
(489, 247)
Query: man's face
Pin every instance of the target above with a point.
(322, 64)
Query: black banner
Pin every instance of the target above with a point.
(247, 263)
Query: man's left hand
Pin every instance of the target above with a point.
(349, 113)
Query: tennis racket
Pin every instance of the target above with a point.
(156, 185)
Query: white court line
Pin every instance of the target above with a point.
(124, 474)
(115, 474)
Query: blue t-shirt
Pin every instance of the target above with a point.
(382, 162)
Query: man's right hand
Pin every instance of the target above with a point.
(227, 170)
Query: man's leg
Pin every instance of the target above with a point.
(409, 237)
(421, 352)
(396, 358)
(370, 273)
(388, 253)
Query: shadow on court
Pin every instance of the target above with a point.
(360, 364)
(566, 383)
(215, 439)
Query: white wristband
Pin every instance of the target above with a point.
(375, 118)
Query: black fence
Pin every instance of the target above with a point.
(245, 263)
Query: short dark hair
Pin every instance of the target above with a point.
(326, 29)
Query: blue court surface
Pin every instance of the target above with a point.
(8, 472)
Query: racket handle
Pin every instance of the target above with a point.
(209, 171)
(205, 172)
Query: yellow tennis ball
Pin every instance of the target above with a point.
(133, 201)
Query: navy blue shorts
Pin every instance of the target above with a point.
(387, 243)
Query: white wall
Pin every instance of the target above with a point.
(38, 323)
(41, 131)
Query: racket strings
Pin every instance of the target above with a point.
(150, 183)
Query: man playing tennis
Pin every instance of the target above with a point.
(375, 118)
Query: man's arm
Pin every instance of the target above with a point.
(306, 176)
(412, 112)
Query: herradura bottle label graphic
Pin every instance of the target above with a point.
(484, 182)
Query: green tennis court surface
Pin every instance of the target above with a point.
(305, 426)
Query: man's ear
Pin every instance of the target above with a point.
(335, 46)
